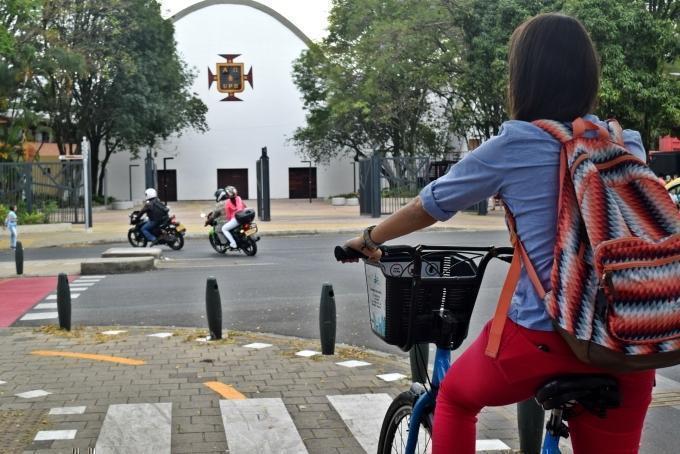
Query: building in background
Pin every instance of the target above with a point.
(268, 113)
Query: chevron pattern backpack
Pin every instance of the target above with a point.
(615, 294)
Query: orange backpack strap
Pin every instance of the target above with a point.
(520, 256)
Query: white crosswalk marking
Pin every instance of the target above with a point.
(40, 316)
(138, 428)
(363, 415)
(260, 426)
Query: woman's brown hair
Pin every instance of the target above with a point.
(553, 69)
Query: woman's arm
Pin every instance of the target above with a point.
(407, 219)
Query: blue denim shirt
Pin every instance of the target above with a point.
(521, 165)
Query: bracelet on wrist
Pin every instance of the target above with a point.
(368, 241)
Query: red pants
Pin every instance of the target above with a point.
(526, 360)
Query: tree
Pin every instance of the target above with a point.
(478, 100)
(17, 18)
(111, 73)
(636, 40)
(374, 83)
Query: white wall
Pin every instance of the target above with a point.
(267, 116)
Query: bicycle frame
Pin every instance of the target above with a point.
(442, 363)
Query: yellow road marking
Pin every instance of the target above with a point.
(111, 359)
(224, 390)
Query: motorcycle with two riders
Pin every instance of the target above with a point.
(244, 233)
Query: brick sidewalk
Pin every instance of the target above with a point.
(173, 382)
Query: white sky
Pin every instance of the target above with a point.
(310, 16)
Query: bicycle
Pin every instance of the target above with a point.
(426, 294)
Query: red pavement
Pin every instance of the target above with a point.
(19, 295)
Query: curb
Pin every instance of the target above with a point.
(116, 265)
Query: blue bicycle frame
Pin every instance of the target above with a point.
(442, 362)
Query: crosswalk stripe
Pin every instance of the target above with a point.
(363, 414)
(40, 316)
(46, 306)
(136, 428)
(260, 426)
(54, 297)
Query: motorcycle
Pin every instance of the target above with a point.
(170, 232)
(245, 234)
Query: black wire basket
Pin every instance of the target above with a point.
(424, 294)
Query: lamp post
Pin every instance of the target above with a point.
(130, 176)
(309, 181)
(165, 180)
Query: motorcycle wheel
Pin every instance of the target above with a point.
(136, 239)
(178, 243)
(250, 247)
(221, 248)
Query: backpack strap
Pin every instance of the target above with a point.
(519, 256)
(615, 132)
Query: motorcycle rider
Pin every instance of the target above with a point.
(233, 204)
(155, 211)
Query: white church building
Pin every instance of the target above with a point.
(223, 40)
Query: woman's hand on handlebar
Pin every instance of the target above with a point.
(357, 244)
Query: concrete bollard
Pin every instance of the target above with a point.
(19, 258)
(530, 422)
(213, 308)
(418, 356)
(327, 319)
(64, 302)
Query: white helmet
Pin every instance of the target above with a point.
(150, 194)
(231, 191)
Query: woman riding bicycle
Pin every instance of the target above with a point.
(553, 74)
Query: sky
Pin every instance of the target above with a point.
(310, 16)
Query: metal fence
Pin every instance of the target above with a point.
(388, 183)
(54, 189)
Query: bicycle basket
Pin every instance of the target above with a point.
(434, 305)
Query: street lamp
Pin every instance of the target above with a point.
(130, 173)
(309, 181)
(165, 180)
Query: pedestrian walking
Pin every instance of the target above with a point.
(11, 225)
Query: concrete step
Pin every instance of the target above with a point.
(124, 252)
(116, 265)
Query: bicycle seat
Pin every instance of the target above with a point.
(596, 393)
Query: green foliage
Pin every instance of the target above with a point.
(478, 102)
(374, 82)
(109, 71)
(29, 217)
(403, 77)
(99, 200)
(637, 42)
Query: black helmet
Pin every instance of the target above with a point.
(220, 194)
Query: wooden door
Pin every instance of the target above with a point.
(237, 178)
(301, 182)
(167, 185)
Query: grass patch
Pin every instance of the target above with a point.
(351, 353)
(55, 330)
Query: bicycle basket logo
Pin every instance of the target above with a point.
(230, 77)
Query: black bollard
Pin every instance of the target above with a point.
(530, 422)
(19, 258)
(327, 319)
(64, 302)
(418, 356)
(213, 308)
